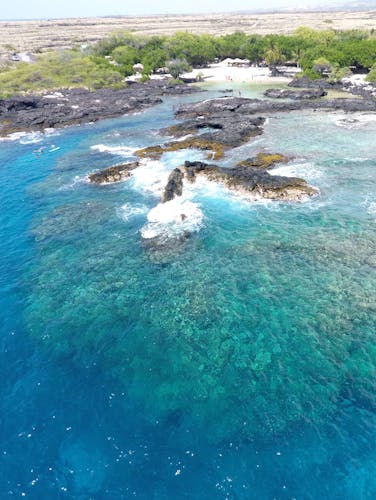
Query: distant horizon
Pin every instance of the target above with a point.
(70, 9)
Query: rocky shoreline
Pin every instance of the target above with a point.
(77, 106)
(241, 109)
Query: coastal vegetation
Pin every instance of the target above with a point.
(330, 54)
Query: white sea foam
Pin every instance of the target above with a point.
(357, 159)
(307, 170)
(128, 210)
(30, 137)
(183, 138)
(355, 120)
(372, 208)
(114, 150)
(13, 137)
(77, 179)
(173, 219)
(370, 205)
(150, 177)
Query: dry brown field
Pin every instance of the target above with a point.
(62, 33)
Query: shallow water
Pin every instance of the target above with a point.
(239, 363)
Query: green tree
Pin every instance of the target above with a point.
(178, 66)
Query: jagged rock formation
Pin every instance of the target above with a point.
(174, 185)
(116, 173)
(245, 180)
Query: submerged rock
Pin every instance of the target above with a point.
(116, 173)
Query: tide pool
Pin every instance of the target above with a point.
(238, 363)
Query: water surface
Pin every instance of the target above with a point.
(237, 364)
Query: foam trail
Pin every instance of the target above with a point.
(30, 137)
(307, 170)
(114, 150)
(78, 179)
(128, 210)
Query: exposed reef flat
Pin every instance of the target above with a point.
(75, 106)
(314, 93)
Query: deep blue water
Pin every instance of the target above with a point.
(238, 364)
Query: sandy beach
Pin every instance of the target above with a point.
(222, 72)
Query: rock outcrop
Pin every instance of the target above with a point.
(314, 93)
(248, 181)
(116, 173)
(303, 82)
(264, 160)
(174, 185)
(252, 182)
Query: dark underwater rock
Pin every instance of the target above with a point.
(116, 173)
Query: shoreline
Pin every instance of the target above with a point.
(78, 106)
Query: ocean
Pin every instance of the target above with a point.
(236, 363)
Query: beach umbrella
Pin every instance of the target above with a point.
(138, 67)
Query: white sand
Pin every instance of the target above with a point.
(221, 72)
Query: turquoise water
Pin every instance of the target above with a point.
(239, 363)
